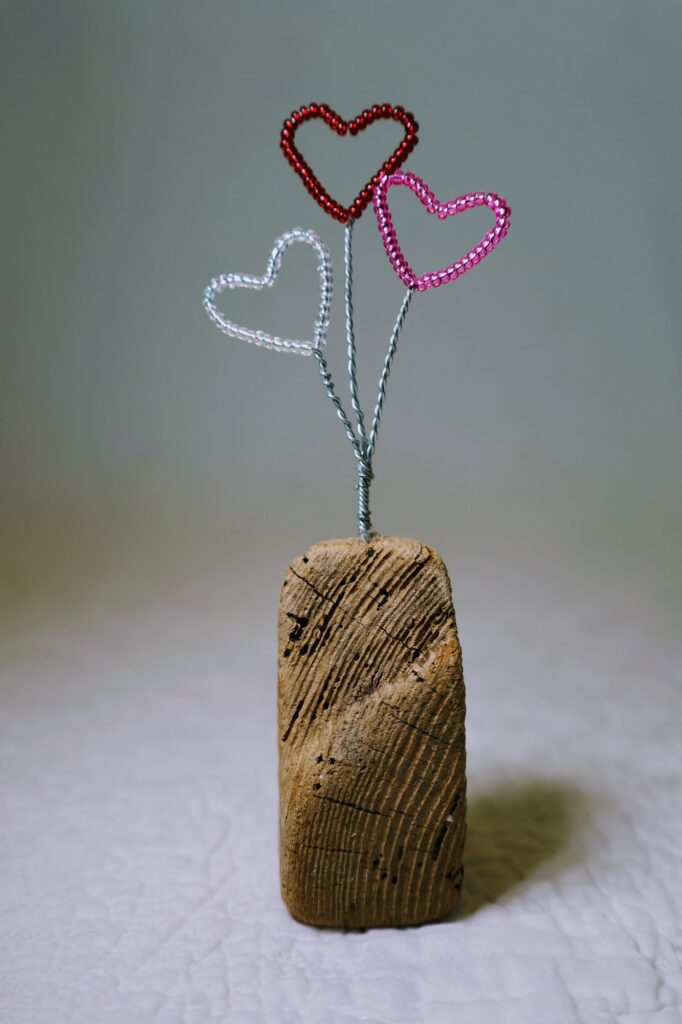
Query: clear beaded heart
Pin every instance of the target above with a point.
(262, 338)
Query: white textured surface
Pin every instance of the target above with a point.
(139, 877)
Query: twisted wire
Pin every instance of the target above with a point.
(328, 383)
(350, 334)
(365, 476)
(363, 446)
(393, 344)
(364, 465)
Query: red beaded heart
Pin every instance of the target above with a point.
(379, 112)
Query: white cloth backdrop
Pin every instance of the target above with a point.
(139, 875)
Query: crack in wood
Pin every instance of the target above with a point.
(411, 725)
(349, 803)
(295, 715)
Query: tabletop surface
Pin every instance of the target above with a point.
(138, 797)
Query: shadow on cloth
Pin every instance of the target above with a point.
(512, 832)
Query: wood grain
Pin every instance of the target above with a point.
(371, 735)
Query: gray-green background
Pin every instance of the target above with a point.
(534, 409)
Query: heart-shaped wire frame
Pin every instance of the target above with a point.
(338, 124)
(262, 338)
(490, 240)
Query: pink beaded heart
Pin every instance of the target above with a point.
(466, 202)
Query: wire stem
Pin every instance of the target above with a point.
(363, 446)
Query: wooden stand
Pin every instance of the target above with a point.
(371, 736)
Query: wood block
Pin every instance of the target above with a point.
(371, 736)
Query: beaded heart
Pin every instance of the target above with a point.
(402, 268)
(224, 281)
(379, 112)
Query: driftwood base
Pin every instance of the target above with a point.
(371, 736)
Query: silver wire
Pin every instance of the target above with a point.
(340, 411)
(364, 466)
(363, 446)
(350, 335)
(393, 344)
(365, 477)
